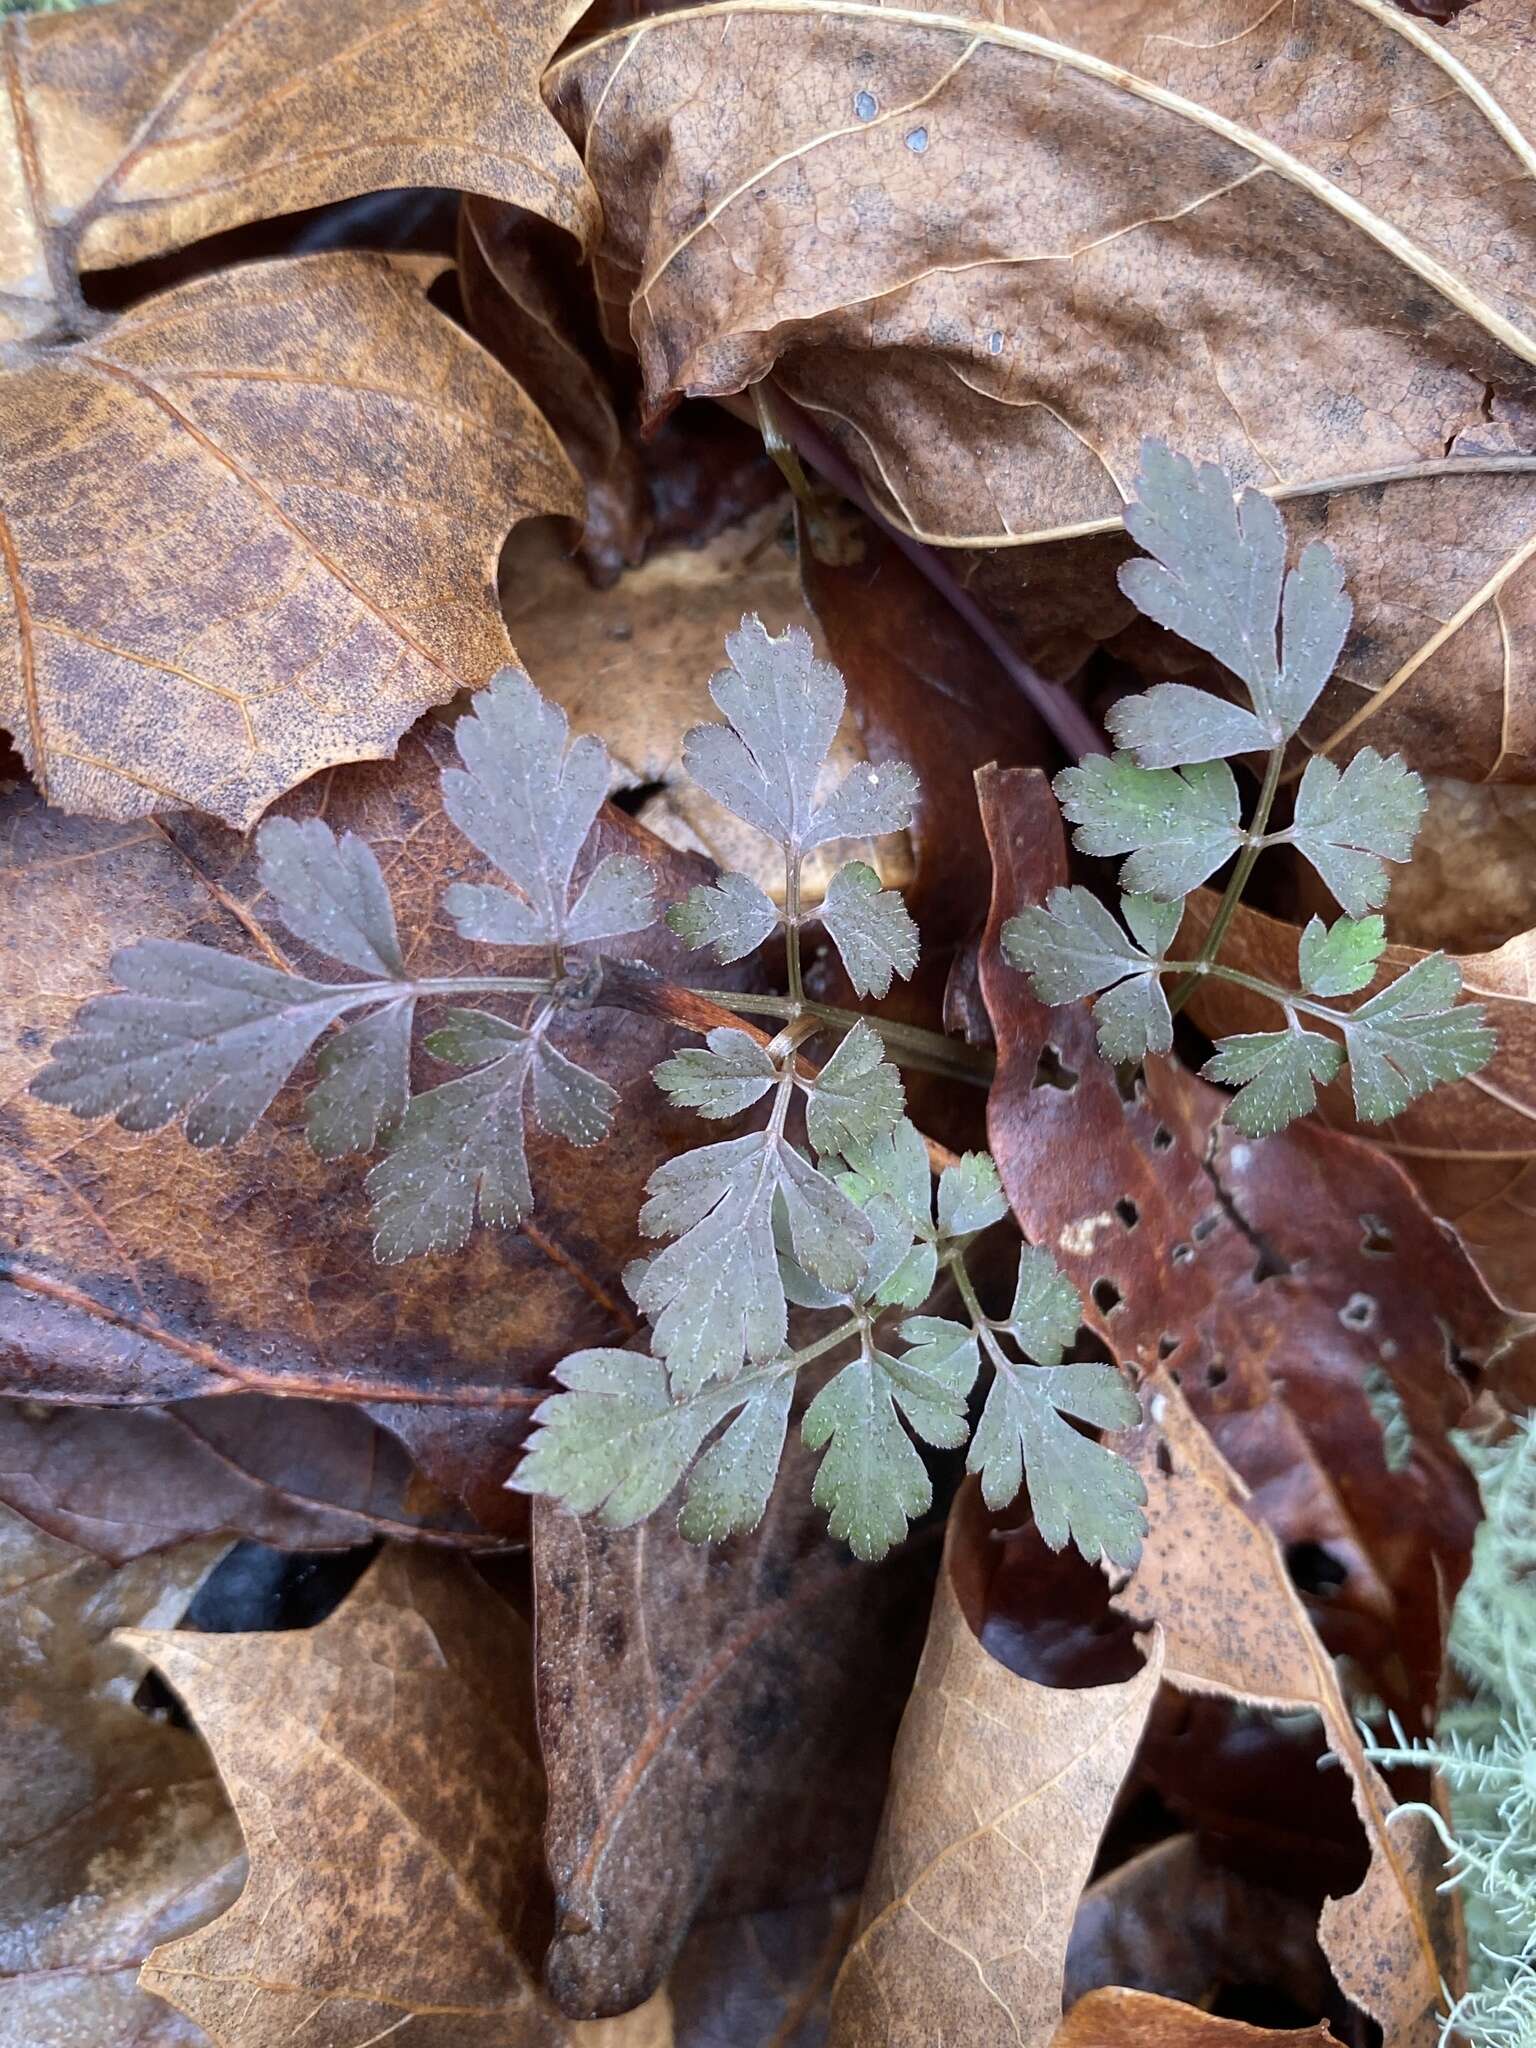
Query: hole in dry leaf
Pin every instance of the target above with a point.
(1162, 1138)
(1167, 1344)
(1182, 1254)
(1359, 1312)
(1377, 1241)
(1216, 1375)
(995, 342)
(1205, 1226)
(865, 105)
(1128, 1212)
(1107, 1296)
(1314, 1569)
(1164, 1455)
(1127, 1084)
(1052, 1071)
(917, 140)
(632, 800)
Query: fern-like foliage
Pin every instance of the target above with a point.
(1485, 1750)
(1215, 573)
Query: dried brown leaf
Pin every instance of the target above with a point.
(763, 1980)
(116, 1833)
(143, 1270)
(716, 1726)
(1136, 2019)
(1301, 242)
(1000, 1789)
(249, 530)
(135, 129)
(1275, 1278)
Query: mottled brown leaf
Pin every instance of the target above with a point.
(1470, 1148)
(300, 1475)
(116, 1833)
(1275, 1278)
(1000, 1789)
(250, 529)
(132, 130)
(1213, 1579)
(716, 1725)
(989, 249)
(142, 1270)
(1136, 2019)
(386, 1776)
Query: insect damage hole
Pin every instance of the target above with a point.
(1359, 1312)
(1107, 1296)
(1128, 1212)
(1052, 1071)
(1376, 1241)
(1314, 1569)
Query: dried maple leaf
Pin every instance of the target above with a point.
(1214, 1580)
(386, 1775)
(1468, 1147)
(1000, 1789)
(129, 131)
(1136, 2019)
(1303, 253)
(250, 529)
(116, 1833)
(716, 1726)
(142, 1270)
(1277, 1279)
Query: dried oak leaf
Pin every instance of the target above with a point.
(1137, 2019)
(1469, 1147)
(299, 1475)
(716, 1725)
(250, 529)
(134, 129)
(385, 1772)
(116, 1833)
(1278, 1279)
(989, 252)
(1214, 1580)
(141, 1270)
(1000, 1790)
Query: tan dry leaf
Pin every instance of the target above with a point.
(386, 1774)
(1213, 1579)
(633, 663)
(115, 1832)
(1000, 1790)
(130, 130)
(250, 530)
(1136, 2019)
(989, 252)
(1471, 1147)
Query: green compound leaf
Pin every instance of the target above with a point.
(857, 1097)
(970, 1196)
(1413, 1035)
(720, 1078)
(1073, 947)
(364, 1084)
(732, 916)
(784, 709)
(462, 1146)
(527, 800)
(716, 1297)
(1275, 1073)
(1079, 1491)
(1338, 959)
(1047, 1308)
(1177, 826)
(330, 893)
(1349, 825)
(728, 1489)
(872, 1480)
(871, 928)
(1217, 578)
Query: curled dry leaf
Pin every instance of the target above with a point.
(134, 131)
(299, 1475)
(716, 1725)
(1000, 1790)
(1302, 242)
(386, 1775)
(142, 1270)
(1279, 1280)
(1214, 1580)
(1136, 2019)
(633, 662)
(1469, 1147)
(116, 1833)
(250, 529)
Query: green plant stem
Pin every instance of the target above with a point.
(1237, 881)
(792, 929)
(910, 1043)
(1287, 999)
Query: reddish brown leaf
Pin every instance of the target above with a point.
(132, 131)
(142, 1270)
(716, 1726)
(116, 1834)
(250, 530)
(1274, 1278)
(1135, 2019)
